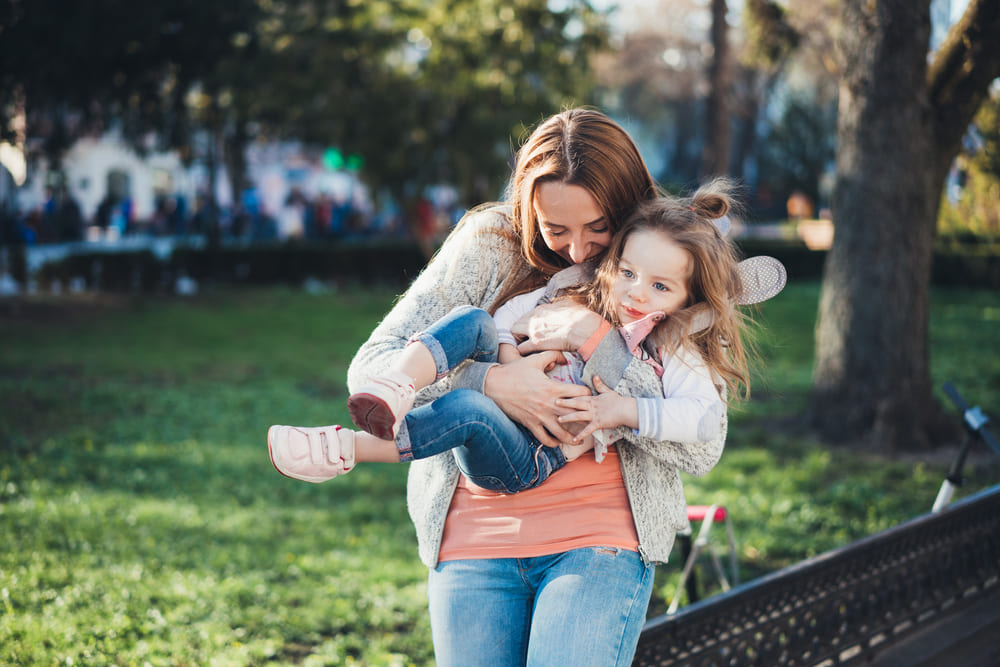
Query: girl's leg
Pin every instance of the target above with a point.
(480, 613)
(464, 333)
(493, 451)
(371, 449)
(589, 608)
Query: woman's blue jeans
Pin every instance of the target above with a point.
(584, 607)
(492, 450)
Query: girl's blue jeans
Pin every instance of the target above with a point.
(584, 607)
(491, 449)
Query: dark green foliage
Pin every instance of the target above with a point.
(425, 92)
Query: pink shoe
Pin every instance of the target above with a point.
(379, 406)
(311, 454)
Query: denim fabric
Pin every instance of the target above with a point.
(491, 450)
(464, 333)
(582, 607)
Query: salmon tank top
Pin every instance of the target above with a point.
(583, 504)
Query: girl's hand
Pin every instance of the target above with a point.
(562, 325)
(607, 409)
(525, 394)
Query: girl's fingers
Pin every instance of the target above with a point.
(586, 432)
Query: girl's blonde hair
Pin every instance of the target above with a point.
(580, 147)
(709, 323)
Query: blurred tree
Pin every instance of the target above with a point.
(493, 68)
(718, 124)
(900, 124)
(790, 80)
(69, 68)
(976, 212)
(798, 149)
(656, 77)
(696, 84)
(424, 92)
(770, 36)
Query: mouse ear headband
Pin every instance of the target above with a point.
(762, 278)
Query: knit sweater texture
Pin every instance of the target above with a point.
(471, 268)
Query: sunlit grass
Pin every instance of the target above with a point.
(143, 523)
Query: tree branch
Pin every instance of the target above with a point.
(958, 79)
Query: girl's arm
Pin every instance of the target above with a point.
(507, 353)
(567, 325)
(615, 365)
(688, 411)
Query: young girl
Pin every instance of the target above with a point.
(669, 282)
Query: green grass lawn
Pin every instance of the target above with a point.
(143, 523)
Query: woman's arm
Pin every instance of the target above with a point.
(470, 269)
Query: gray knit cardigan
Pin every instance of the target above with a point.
(471, 268)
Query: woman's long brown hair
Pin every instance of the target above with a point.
(580, 147)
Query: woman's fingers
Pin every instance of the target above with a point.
(580, 404)
(525, 394)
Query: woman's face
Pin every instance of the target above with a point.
(571, 223)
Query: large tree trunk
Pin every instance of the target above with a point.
(900, 126)
(715, 158)
(872, 374)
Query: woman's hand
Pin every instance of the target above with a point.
(607, 409)
(525, 394)
(561, 325)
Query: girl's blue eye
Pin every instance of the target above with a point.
(661, 287)
(627, 273)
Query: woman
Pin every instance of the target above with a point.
(560, 574)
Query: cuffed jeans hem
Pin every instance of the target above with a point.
(437, 352)
(403, 443)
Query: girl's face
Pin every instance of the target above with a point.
(653, 275)
(571, 223)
